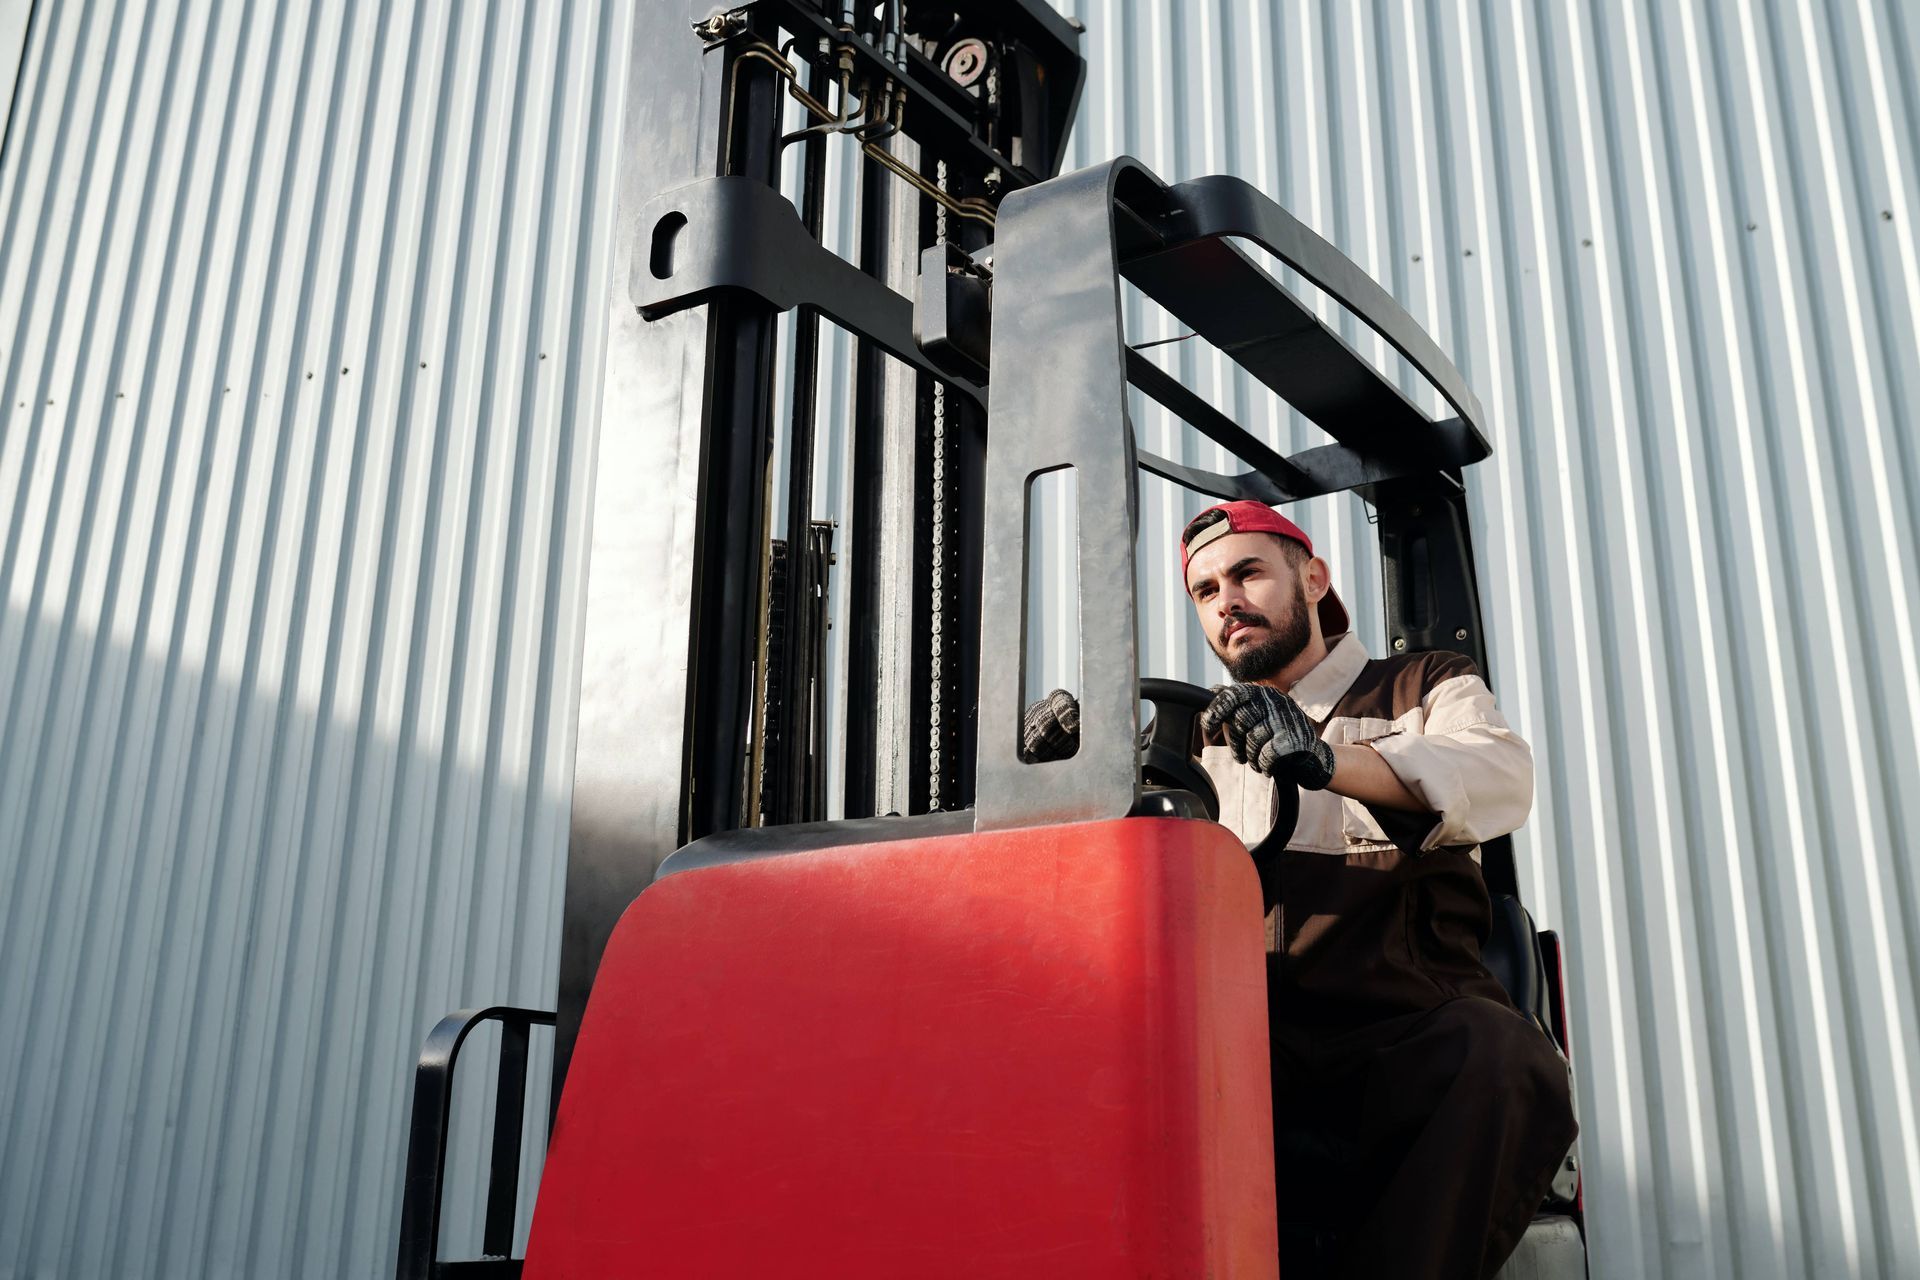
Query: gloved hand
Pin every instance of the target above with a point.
(1050, 729)
(1268, 730)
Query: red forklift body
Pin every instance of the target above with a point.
(1033, 1052)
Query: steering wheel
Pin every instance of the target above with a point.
(1170, 759)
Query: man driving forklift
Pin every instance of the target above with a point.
(1418, 1118)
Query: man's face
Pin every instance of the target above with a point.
(1252, 603)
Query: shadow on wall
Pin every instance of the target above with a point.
(227, 922)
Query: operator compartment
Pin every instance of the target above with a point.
(1033, 1051)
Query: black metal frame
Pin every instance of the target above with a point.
(732, 235)
(727, 236)
(1433, 597)
(793, 759)
(427, 1146)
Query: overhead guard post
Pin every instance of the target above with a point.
(1057, 400)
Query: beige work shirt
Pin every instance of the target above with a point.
(1374, 911)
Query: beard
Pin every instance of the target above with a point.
(1286, 640)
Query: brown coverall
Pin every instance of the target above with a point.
(1418, 1118)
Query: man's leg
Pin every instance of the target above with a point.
(1464, 1114)
(1317, 1160)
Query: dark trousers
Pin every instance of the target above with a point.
(1414, 1146)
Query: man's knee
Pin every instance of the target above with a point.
(1508, 1060)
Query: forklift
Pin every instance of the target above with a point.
(1000, 1018)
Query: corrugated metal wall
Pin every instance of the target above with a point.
(1673, 247)
(13, 39)
(302, 315)
(283, 734)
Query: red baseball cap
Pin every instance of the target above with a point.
(1247, 516)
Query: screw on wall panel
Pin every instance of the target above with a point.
(1469, 253)
(1587, 243)
(423, 364)
(1886, 215)
(1416, 257)
(309, 375)
(1461, 634)
(1399, 642)
(1753, 226)
(344, 372)
(543, 355)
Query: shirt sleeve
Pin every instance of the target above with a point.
(1467, 765)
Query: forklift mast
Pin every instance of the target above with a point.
(697, 713)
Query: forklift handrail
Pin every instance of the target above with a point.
(427, 1143)
(1057, 400)
(1177, 248)
(1220, 207)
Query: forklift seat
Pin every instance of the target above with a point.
(1526, 960)
(1513, 954)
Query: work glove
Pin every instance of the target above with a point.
(1050, 729)
(1269, 732)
